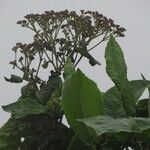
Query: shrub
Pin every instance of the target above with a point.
(111, 120)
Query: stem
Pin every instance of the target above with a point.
(76, 56)
(49, 59)
(104, 38)
(40, 61)
(96, 44)
(78, 61)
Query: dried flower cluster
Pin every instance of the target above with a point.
(59, 35)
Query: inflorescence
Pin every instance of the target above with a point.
(59, 35)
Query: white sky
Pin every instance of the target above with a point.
(134, 15)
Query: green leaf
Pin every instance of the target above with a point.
(10, 134)
(52, 136)
(114, 103)
(77, 144)
(142, 108)
(68, 68)
(106, 124)
(54, 83)
(24, 107)
(148, 81)
(14, 79)
(29, 90)
(81, 98)
(139, 86)
(54, 105)
(117, 71)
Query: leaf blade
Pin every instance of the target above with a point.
(24, 107)
(117, 70)
(81, 99)
(106, 124)
(113, 101)
(78, 102)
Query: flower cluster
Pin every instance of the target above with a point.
(59, 35)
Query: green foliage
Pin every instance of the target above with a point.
(47, 89)
(139, 86)
(123, 127)
(11, 133)
(148, 87)
(114, 128)
(117, 71)
(24, 107)
(106, 124)
(142, 108)
(114, 103)
(76, 144)
(113, 120)
(61, 40)
(81, 98)
(29, 91)
(68, 68)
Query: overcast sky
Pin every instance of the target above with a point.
(134, 15)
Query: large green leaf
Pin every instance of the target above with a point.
(114, 103)
(117, 71)
(81, 98)
(119, 132)
(24, 107)
(106, 124)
